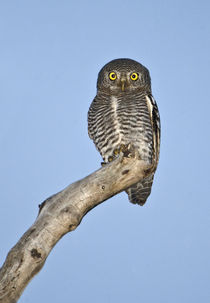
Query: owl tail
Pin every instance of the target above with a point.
(139, 192)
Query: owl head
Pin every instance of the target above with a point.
(123, 76)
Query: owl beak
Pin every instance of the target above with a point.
(123, 84)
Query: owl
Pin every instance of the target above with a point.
(124, 112)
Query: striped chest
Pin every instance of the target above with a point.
(121, 120)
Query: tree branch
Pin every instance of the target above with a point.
(60, 214)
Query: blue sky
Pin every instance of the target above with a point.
(51, 52)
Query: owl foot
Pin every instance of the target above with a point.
(110, 159)
(116, 152)
(126, 149)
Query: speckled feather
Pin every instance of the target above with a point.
(131, 116)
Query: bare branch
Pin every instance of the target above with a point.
(60, 214)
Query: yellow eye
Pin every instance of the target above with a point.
(134, 76)
(112, 76)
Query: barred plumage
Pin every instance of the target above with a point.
(124, 112)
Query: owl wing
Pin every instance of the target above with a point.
(91, 120)
(139, 192)
(155, 121)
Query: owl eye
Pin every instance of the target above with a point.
(134, 76)
(112, 76)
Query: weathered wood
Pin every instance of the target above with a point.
(60, 214)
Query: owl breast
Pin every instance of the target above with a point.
(115, 120)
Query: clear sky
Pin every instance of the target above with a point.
(50, 55)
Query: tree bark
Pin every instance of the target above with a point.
(62, 213)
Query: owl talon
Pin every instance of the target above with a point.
(127, 150)
(123, 147)
(116, 152)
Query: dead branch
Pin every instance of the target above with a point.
(61, 214)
